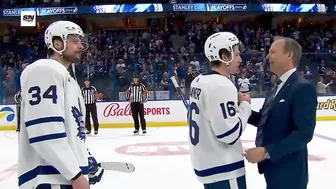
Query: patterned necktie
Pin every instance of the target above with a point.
(265, 111)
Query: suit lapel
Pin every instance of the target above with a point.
(284, 88)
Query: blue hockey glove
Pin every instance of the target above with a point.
(95, 172)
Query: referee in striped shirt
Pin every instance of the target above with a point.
(137, 95)
(89, 93)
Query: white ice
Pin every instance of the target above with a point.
(170, 171)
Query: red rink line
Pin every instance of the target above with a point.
(8, 172)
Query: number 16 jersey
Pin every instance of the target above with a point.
(216, 123)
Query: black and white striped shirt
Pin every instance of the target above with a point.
(89, 94)
(137, 93)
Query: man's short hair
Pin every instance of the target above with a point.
(291, 45)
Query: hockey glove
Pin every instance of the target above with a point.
(95, 172)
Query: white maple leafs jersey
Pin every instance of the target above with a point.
(52, 136)
(216, 123)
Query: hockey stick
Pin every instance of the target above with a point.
(117, 166)
(178, 89)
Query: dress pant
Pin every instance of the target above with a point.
(91, 109)
(137, 109)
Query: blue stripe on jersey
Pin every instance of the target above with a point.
(44, 120)
(234, 129)
(240, 132)
(220, 169)
(47, 137)
(225, 184)
(44, 170)
(49, 186)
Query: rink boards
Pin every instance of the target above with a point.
(157, 113)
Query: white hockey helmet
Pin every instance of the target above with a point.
(62, 29)
(218, 41)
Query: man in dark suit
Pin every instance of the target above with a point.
(286, 121)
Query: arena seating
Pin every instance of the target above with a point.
(115, 56)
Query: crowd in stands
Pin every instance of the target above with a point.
(155, 55)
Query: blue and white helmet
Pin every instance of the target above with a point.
(218, 41)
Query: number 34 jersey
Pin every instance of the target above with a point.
(52, 137)
(216, 123)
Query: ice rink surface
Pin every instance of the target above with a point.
(162, 161)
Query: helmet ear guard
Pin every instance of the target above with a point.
(227, 62)
(229, 53)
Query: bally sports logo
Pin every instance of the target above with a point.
(329, 104)
(115, 109)
(28, 18)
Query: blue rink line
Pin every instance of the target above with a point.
(325, 137)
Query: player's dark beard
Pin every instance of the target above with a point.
(72, 59)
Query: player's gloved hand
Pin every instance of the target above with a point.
(95, 172)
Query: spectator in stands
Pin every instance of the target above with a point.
(146, 78)
(181, 71)
(164, 84)
(195, 64)
(189, 78)
(8, 90)
(244, 84)
(114, 56)
(321, 87)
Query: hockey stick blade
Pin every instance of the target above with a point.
(117, 166)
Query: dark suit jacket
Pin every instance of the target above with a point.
(288, 129)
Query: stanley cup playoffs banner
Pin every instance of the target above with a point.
(184, 7)
(206, 7)
(95, 9)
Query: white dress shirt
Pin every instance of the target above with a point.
(284, 78)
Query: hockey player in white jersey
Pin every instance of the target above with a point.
(52, 149)
(217, 117)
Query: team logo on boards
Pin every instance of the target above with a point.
(80, 122)
(8, 113)
(28, 18)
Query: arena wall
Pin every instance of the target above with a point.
(158, 113)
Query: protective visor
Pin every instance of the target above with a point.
(79, 39)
